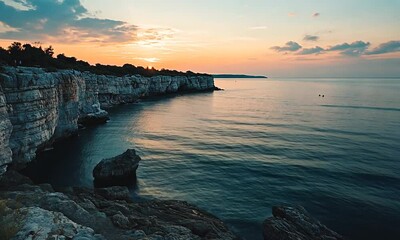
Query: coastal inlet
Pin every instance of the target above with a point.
(260, 143)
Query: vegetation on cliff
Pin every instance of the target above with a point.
(18, 54)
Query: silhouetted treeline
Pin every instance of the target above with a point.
(30, 56)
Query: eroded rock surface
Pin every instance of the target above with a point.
(295, 223)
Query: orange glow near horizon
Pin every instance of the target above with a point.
(242, 37)
(216, 59)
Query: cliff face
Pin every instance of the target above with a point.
(38, 107)
(5, 133)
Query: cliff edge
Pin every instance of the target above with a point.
(39, 107)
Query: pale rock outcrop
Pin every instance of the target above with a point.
(39, 107)
(41, 224)
(5, 133)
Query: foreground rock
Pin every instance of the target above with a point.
(30, 211)
(295, 223)
(114, 193)
(117, 171)
(39, 224)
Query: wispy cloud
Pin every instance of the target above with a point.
(353, 49)
(150, 60)
(388, 47)
(22, 5)
(288, 47)
(154, 36)
(309, 51)
(292, 14)
(312, 38)
(6, 28)
(316, 14)
(258, 28)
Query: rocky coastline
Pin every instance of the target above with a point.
(38, 108)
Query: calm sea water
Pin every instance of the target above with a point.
(259, 143)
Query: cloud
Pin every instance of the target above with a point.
(150, 60)
(353, 49)
(289, 47)
(388, 47)
(58, 20)
(155, 37)
(18, 4)
(258, 28)
(311, 38)
(309, 51)
(291, 14)
(6, 28)
(316, 14)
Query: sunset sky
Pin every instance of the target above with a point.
(276, 38)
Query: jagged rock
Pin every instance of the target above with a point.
(41, 224)
(79, 213)
(114, 193)
(295, 223)
(119, 220)
(117, 171)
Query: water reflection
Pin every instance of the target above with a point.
(259, 143)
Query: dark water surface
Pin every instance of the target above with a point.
(260, 143)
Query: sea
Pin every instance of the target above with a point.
(331, 145)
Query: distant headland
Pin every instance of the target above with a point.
(236, 76)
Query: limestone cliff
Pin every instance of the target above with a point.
(39, 107)
(5, 133)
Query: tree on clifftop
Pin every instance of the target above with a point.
(49, 51)
(15, 50)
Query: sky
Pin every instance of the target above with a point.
(285, 38)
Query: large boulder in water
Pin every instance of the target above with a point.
(295, 223)
(117, 171)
